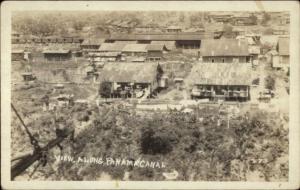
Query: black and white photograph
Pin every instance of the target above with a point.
(150, 95)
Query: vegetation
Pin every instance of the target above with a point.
(105, 89)
(270, 83)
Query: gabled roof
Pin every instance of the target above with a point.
(224, 47)
(283, 46)
(170, 45)
(135, 48)
(220, 74)
(129, 72)
(156, 47)
(114, 47)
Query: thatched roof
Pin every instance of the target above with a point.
(112, 47)
(135, 48)
(129, 72)
(220, 74)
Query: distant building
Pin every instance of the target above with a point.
(224, 51)
(182, 40)
(225, 81)
(28, 76)
(91, 45)
(57, 55)
(155, 51)
(244, 19)
(137, 50)
(17, 55)
(131, 80)
(221, 17)
(282, 59)
(169, 45)
(174, 29)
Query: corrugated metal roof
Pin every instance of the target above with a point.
(114, 47)
(129, 72)
(155, 47)
(224, 47)
(94, 41)
(170, 45)
(220, 74)
(283, 46)
(135, 48)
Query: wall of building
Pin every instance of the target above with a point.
(58, 57)
(17, 56)
(226, 91)
(155, 53)
(285, 59)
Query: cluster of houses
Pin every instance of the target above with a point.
(131, 62)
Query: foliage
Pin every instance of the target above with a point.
(105, 89)
(266, 18)
(270, 83)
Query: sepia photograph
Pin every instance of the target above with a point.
(150, 95)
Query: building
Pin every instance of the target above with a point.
(91, 45)
(221, 17)
(223, 81)
(135, 50)
(174, 29)
(182, 40)
(105, 56)
(17, 55)
(244, 19)
(280, 30)
(57, 55)
(169, 45)
(28, 76)
(131, 80)
(224, 51)
(282, 59)
(155, 51)
(111, 47)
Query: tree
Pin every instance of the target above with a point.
(105, 89)
(270, 83)
(253, 19)
(228, 31)
(265, 19)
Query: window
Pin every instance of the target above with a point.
(212, 60)
(223, 60)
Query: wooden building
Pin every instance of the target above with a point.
(91, 45)
(17, 55)
(224, 51)
(132, 80)
(244, 19)
(169, 45)
(220, 17)
(223, 81)
(282, 59)
(57, 55)
(155, 51)
(174, 29)
(182, 40)
(135, 50)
